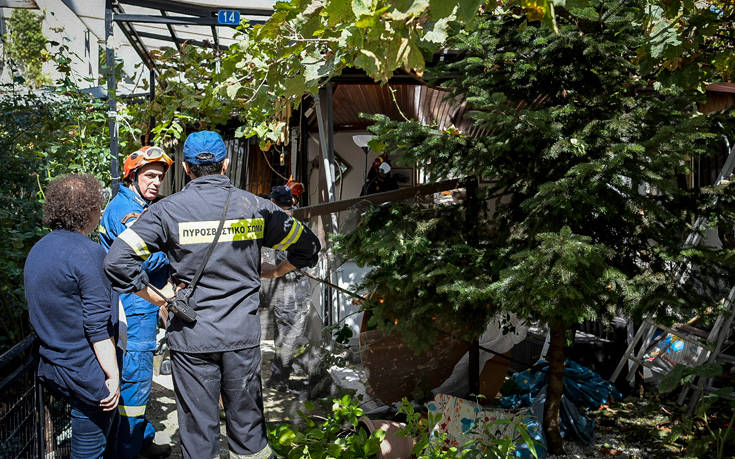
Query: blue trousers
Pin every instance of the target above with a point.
(135, 432)
(90, 427)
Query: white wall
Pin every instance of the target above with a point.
(353, 155)
(83, 31)
(348, 275)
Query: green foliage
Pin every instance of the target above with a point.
(586, 214)
(341, 436)
(337, 436)
(715, 438)
(691, 43)
(265, 74)
(26, 45)
(430, 280)
(564, 277)
(491, 447)
(42, 135)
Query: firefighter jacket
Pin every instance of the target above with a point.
(122, 212)
(183, 226)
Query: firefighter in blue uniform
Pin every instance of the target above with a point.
(143, 172)
(219, 352)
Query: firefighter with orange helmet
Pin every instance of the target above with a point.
(296, 188)
(143, 172)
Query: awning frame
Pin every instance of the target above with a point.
(185, 14)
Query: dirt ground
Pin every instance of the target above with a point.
(161, 409)
(634, 428)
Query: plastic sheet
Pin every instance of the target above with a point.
(582, 388)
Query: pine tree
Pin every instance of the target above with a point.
(587, 210)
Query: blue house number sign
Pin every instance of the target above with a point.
(228, 17)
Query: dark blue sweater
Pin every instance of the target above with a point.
(71, 306)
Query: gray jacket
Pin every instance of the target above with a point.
(183, 226)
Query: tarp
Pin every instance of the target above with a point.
(582, 388)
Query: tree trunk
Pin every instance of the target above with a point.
(555, 389)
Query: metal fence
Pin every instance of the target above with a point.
(33, 423)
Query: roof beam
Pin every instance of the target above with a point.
(304, 213)
(356, 76)
(158, 36)
(171, 31)
(196, 10)
(134, 39)
(176, 20)
(151, 19)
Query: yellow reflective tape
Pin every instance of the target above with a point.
(296, 238)
(285, 239)
(131, 411)
(245, 229)
(292, 236)
(264, 453)
(135, 242)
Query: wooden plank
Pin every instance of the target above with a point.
(722, 87)
(305, 213)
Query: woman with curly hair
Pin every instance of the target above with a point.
(74, 312)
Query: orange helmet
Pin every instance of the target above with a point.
(297, 188)
(145, 155)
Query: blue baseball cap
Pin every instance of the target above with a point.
(281, 195)
(204, 142)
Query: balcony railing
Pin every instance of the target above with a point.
(33, 423)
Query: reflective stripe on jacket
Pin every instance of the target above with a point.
(120, 214)
(226, 297)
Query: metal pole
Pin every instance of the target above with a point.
(151, 96)
(329, 175)
(328, 169)
(334, 273)
(247, 165)
(111, 102)
(304, 153)
(40, 416)
(216, 49)
(330, 128)
(473, 368)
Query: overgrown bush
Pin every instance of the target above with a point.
(43, 134)
(26, 45)
(340, 435)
